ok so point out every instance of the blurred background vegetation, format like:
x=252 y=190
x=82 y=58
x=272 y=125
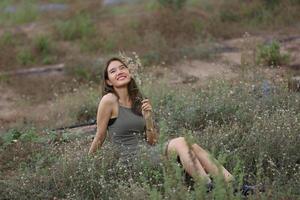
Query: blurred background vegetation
x=216 y=71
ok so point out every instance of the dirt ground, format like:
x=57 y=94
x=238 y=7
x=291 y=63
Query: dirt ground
x=226 y=65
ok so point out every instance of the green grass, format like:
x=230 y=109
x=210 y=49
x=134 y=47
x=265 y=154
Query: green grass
x=43 y=44
x=159 y=35
x=116 y=10
x=21 y=50
x=25 y=57
x=78 y=27
x=26 y=12
x=270 y=55
x=85 y=70
x=253 y=130
x=248 y=16
x=173 y=4
x=44 y=48
x=193 y=2
x=7 y=39
x=253 y=133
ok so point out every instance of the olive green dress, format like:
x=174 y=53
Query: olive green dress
x=127 y=134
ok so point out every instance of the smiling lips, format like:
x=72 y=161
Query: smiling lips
x=121 y=77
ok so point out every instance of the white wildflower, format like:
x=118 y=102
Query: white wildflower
x=134 y=65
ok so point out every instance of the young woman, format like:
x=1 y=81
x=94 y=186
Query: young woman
x=120 y=115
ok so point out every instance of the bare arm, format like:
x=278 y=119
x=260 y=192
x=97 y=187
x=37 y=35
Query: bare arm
x=103 y=115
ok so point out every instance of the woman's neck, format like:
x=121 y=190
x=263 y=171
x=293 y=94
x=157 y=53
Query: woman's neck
x=124 y=98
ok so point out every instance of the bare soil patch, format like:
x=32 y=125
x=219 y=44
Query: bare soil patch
x=40 y=90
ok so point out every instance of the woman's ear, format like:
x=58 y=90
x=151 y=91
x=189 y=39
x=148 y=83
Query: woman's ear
x=108 y=82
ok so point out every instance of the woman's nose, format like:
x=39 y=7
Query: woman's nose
x=119 y=71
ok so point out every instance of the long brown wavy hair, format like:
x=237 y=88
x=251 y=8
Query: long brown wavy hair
x=134 y=93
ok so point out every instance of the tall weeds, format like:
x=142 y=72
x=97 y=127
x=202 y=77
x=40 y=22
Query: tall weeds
x=255 y=135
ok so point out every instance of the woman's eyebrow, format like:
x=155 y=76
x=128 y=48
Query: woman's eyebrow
x=112 y=69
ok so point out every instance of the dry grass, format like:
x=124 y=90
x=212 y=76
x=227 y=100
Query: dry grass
x=157 y=33
x=224 y=118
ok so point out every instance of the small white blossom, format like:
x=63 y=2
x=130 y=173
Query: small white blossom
x=134 y=64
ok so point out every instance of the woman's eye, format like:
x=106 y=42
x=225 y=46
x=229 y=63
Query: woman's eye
x=122 y=67
x=113 y=71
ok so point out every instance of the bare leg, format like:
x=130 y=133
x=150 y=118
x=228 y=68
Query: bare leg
x=210 y=164
x=188 y=158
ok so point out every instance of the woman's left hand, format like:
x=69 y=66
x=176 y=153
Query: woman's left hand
x=146 y=106
x=151 y=133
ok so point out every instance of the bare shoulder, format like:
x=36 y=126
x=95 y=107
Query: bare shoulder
x=109 y=99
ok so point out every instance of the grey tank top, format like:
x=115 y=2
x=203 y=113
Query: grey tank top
x=127 y=132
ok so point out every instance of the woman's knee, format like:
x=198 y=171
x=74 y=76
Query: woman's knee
x=198 y=147
x=176 y=143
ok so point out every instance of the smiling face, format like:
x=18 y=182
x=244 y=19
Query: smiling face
x=118 y=74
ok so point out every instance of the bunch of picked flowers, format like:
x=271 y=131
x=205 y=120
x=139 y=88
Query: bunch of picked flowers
x=135 y=67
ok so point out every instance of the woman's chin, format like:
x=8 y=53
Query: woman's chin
x=123 y=83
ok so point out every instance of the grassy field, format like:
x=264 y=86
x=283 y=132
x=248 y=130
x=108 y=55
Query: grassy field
x=251 y=122
x=254 y=132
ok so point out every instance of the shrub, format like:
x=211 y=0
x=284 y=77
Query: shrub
x=110 y=44
x=270 y=55
x=85 y=70
x=13 y=43
x=18 y=149
x=229 y=12
x=6 y=39
x=166 y=37
x=78 y=27
x=25 y=12
x=47 y=59
x=25 y=57
x=173 y=4
x=43 y=44
x=175 y=30
x=91 y=45
x=83 y=109
x=11 y=136
x=87 y=113
x=253 y=133
x=14 y=135
x=271 y=4
x=242 y=16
